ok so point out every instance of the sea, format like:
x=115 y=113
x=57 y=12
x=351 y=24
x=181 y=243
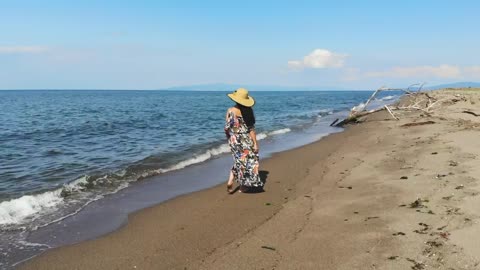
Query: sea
x=75 y=163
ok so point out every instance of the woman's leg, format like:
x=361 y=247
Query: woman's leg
x=230 y=182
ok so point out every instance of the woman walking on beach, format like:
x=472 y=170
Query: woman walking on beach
x=241 y=136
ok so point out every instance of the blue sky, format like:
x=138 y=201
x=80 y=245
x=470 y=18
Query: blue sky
x=159 y=44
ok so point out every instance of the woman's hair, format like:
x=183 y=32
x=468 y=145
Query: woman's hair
x=247 y=114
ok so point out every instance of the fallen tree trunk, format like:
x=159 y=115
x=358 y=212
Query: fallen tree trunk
x=354 y=118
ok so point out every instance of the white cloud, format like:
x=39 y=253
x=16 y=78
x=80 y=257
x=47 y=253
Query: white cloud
x=442 y=71
x=472 y=72
x=22 y=49
x=319 y=58
x=295 y=64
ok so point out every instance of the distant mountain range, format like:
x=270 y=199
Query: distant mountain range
x=454 y=85
x=231 y=87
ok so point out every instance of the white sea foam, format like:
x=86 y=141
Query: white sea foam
x=359 y=107
x=224 y=148
x=325 y=111
x=31 y=244
x=261 y=136
x=388 y=98
x=280 y=131
x=76 y=185
x=17 y=210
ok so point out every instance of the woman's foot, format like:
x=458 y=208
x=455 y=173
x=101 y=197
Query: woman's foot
x=230 y=189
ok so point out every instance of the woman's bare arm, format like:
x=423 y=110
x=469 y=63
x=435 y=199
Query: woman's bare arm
x=253 y=135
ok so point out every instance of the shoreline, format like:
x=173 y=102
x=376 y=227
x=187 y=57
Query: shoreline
x=335 y=204
x=110 y=213
x=218 y=189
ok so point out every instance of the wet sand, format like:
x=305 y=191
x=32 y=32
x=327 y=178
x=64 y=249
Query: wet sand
x=378 y=196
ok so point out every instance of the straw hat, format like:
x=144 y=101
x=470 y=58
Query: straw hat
x=241 y=97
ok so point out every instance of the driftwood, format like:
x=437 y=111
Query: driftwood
x=422 y=102
x=415 y=84
x=416 y=101
x=361 y=107
x=390 y=112
x=418 y=124
x=472 y=113
x=334 y=122
x=353 y=118
x=360 y=110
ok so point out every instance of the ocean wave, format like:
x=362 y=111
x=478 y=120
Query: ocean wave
x=31 y=244
x=280 y=131
x=309 y=114
x=198 y=159
x=224 y=148
x=359 y=107
x=375 y=103
x=261 y=136
x=29 y=207
x=388 y=98
x=15 y=211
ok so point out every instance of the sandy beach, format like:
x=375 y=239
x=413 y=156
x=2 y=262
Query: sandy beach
x=383 y=194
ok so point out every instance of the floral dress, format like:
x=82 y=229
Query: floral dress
x=245 y=166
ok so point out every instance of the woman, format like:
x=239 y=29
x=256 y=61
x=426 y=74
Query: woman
x=240 y=131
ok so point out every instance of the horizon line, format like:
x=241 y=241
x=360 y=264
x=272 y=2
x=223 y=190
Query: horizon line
x=178 y=90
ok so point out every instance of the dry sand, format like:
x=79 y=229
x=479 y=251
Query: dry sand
x=377 y=196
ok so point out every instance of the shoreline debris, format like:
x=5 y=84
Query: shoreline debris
x=270 y=248
x=472 y=113
x=360 y=110
x=416 y=101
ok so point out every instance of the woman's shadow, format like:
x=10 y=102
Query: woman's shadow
x=263 y=177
